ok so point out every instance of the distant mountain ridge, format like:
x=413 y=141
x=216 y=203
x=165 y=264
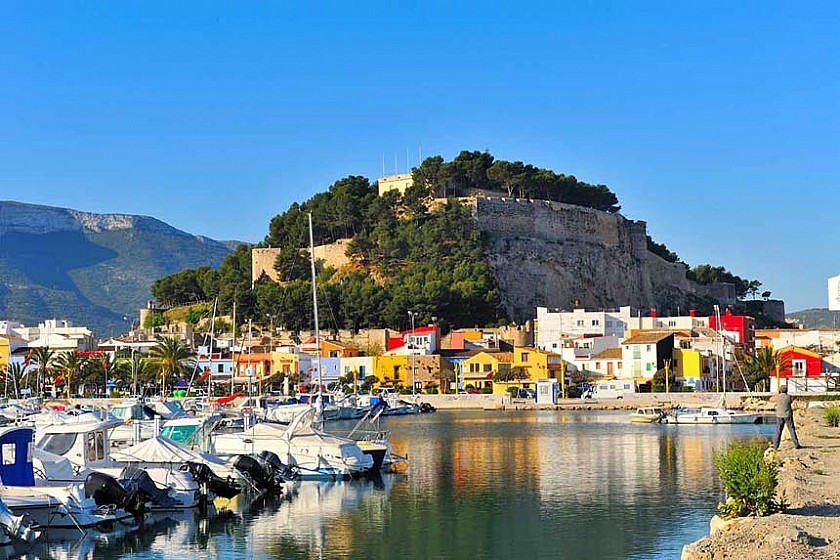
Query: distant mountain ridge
x=816 y=318
x=91 y=268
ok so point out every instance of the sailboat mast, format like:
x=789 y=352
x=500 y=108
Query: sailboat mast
x=315 y=311
x=210 y=349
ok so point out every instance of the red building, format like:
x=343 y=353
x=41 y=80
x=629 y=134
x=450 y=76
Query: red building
x=800 y=362
x=742 y=327
x=422 y=340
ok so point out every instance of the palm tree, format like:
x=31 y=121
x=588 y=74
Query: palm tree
x=104 y=368
x=44 y=356
x=764 y=363
x=71 y=365
x=14 y=373
x=172 y=357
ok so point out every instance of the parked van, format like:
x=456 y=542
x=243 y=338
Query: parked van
x=613 y=389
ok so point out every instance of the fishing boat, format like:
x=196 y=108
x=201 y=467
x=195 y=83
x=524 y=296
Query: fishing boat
x=648 y=415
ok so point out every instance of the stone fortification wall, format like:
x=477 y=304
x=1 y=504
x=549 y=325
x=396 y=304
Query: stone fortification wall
x=559 y=255
x=330 y=255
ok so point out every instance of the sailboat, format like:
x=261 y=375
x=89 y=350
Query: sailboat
x=718 y=414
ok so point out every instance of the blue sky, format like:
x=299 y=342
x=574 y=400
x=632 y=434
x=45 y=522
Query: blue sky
x=718 y=124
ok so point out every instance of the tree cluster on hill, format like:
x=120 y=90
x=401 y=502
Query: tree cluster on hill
x=470 y=171
x=708 y=274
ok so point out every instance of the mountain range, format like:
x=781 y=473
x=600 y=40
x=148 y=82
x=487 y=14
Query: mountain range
x=94 y=269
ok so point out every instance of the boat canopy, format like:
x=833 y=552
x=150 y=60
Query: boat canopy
x=16 y=456
x=161 y=449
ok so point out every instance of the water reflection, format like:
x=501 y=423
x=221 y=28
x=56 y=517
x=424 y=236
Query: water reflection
x=478 y=485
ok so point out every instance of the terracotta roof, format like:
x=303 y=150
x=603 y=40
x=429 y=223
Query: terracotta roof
x=608 y=354
x=647 y=338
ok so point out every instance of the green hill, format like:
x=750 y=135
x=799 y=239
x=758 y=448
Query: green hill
x=93 y=269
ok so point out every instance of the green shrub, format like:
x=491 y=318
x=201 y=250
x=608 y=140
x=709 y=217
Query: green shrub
x=486 y=391
x=513 y=392
x=831 y=415
x=750 y=481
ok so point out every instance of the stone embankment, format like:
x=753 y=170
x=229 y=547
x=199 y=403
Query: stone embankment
x=810 y=527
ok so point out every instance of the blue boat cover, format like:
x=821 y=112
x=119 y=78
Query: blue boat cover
x=16 y=457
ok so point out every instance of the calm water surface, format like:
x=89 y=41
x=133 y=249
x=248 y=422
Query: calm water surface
x=528 y=484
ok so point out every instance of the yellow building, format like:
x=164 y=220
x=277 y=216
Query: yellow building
x=392 y=371
x=5 y=352
x=399 y=182
x=285 y=362
x=530 y=365
x=480 y=370
x=688 y=366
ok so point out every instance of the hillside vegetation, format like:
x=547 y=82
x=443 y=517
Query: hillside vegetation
x=407 y=254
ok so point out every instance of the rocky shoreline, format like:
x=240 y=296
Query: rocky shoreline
x=810 y=526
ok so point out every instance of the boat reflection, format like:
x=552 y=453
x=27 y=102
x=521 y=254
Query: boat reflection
x=305 y=519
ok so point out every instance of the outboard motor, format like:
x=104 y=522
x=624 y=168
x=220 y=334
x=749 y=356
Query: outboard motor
x=224 y=488
x=137 y=480
x=262 y=475
x=106 y=491
x=426 y=407
x=288 y=472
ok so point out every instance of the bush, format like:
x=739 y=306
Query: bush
x=831 y=415
x=486 y=391
x=750 y=481
x=513 y=392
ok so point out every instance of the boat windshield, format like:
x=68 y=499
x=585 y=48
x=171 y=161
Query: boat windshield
x=180 y=434
x=59 y=444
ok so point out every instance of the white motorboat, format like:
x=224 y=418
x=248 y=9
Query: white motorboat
x=648 y=415
x=317 y=454
x=60 y=505
x=141 y=419
x=719 y=414
x=713 y=415
x=68 y=453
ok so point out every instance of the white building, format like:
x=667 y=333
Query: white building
x=554 y=325
x=834 y=293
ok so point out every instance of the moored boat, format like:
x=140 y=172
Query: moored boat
x=648 y=415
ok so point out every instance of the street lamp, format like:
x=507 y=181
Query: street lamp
x=412 y=315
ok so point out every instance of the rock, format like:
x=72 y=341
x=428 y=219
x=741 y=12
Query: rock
x=790 y=534
x=719 y=523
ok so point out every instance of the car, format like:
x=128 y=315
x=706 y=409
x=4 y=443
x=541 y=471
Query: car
x=526 y=394
x=471 y=391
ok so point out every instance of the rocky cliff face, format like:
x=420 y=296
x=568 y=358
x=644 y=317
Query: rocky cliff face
x=559 y=255
x=17 y=217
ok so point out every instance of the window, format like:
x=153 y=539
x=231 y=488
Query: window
x=609 y=324
x=8 y=452
x=333 y=354
x=396 y=372
x=672 y=323
x=798 y=368
x=580 y=322
x=488 y=367
x=362 y=372
x=649 y=366
x=648 y=348
x=595 y=322
x=59 y=444
x=221 y=368
x=554 y=345
x=619 y=365
x=524 y=356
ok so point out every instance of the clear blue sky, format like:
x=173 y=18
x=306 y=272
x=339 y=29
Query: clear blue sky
x=717 y=124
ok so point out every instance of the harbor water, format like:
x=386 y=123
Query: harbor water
x=479 y=484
